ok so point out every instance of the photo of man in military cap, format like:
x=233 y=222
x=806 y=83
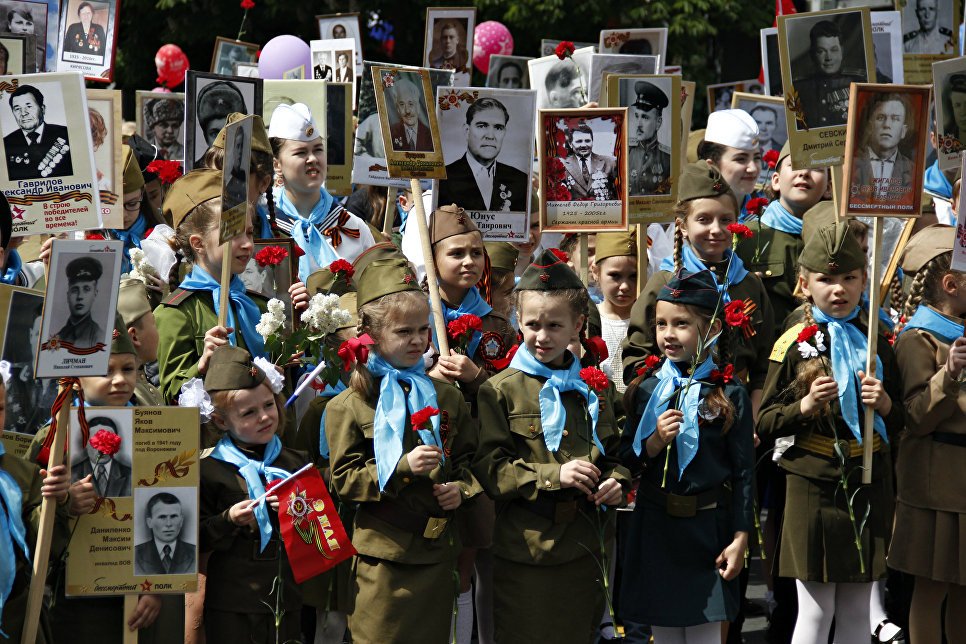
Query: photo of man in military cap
x=80 y=329
x=163 y=118
x=36 y=149
x=215 y=102
x=210 y=99
x=925 y=28
x=649 y=159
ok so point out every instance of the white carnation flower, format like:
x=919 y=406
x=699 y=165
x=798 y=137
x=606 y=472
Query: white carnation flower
x=323 y=315
x=5 y=371
x=807 y=350
x=193 y=394
x=820 y=341
x=275 y=379
x=141 y=268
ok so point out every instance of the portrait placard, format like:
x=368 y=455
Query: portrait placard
x=271 y=280
x=160 y=120
x=720 y=95
x=822 y=53
x=959 y=241
x=343 y=25
x=508 y=72
x=28 y=399
x=312 y=93
x=37 y=19
x=17 y=54
x=80 y=303
x=930 y=33
x=88 y=38
x=618 y=64
x=210 y=99
x=449 y=41
x=886 y=155
x=410 y=132
x=644 y=42
x=769 y=114
x=228 y=52
x=583 y=169
x=949 y=81
x=104 y=110
x=488 y=150
x=688 y=89
x=338 y=138
x=48 y=173
x=245 y=70
x=653 y=158
x=771 y=63
x=369 y=164
x=333 y=61
x=548 y=47
x=887 y=47
x=142 y=534
x=561 y=84
x=234 y=179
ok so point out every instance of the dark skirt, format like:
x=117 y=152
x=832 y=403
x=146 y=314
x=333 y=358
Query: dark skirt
x=675 y=582
x=930 y=544
x=476 y=522
x=251 y=628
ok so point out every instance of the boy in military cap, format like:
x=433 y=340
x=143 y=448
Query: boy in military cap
x=650 y=159
x=134 y=307
x=81 y=330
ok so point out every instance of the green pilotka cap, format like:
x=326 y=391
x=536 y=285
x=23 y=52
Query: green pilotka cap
x=231 y=368
x=350 y=302
x=377 y=252
x=822 y=215
x=449 y=221
x=549 y=273
x=384 y=277
x=190 y=191
x=120 y=340
x=503 y=255
x=832 y=250
x=260 y=141
x=702 y=181
x=619 y=244
x=133 y=179
x=925 y=245
x=133 y=302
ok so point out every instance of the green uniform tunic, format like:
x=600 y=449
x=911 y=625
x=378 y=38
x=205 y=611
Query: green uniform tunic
x=817 y=542
x=391 y=527
x=542 y=530
x=772 y=255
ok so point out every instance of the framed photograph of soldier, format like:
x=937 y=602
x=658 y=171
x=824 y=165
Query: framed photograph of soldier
x=245 y=70
x=949 y=81
x=583 y=168
x=369 y=164
x=210 y=98
x=720 y=94
x=228 y=52
x=653 y=131
x=333 y=61
x=143 y=532
x=822 y=53
x=885 y=156
x=410 y=132
x=887 y=47
x=548 y=47
x=769 y=113
x=29 y=18
x=48 y=173
x=273 y=281
x=159 y=117
x=87 y=38
x=770 y=62
x=338 y=138
x=80 y=302
x=17 y=54
x=618 y=64
x=488 y=149
x=930 y=33
x=235 y=177
x=508 y=72
x=343 y=25
x=449 y=41
x=104 y=111
x=559 y=85
x=641 y=42
x=28 y=399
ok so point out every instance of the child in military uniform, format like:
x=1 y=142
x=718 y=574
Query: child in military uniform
x=400 y=444
x=823 y=412
x=927 y=538
x=548 y=455
x=503 y=261
x=247 y=569
x=134 y=307
x=731 y=145
x=695 y=502
x=615 y=270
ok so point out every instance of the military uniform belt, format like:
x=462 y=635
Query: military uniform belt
x=825 y=446
x=949 y=438
x=684 y=506
x=556 y=511
x=405 y=519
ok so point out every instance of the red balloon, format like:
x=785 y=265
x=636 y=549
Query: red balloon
x=172 y=64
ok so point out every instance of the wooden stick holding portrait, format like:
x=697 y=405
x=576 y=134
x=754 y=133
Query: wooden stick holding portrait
x=234 y=200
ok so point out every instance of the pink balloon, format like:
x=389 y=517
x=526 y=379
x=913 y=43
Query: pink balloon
x=490 y=37
x=282 y=56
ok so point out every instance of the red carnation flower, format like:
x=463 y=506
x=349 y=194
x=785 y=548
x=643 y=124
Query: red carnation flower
x=597 y=348
x=595 y=378
x=650 y=364
x=247 y=4
x=808 y=333
x=770 y=159
x=565 y=49
x=740 y=229
x=723 y=376
x=354 y=350
x=735 y=313
x=559 y=254
x=342 y=268
x=462 y=328
x=94 y=236
x=270 y=256
x=756 y=206
x=168 y=171
x=106 y=442
x=421 y=418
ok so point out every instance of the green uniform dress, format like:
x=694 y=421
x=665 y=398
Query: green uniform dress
x=404 y=576
x=817 y=542
x=676 y=583
x=750 y=354
x=546 y=584
x=772 y=255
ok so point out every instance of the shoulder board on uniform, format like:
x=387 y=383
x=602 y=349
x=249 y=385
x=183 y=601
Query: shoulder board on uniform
x=946 y=32
x=909 y=36
x=205 y=453
x=787 y=339
x=666 y=149
x=177 y=297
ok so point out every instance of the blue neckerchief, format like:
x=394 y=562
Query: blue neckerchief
x=12 y=531
x=848 y=356
x=883 y=316
x=936 y=323
x=244 y=307
x=390 y=420
x=694 y=264
x=262 y=223
x=328 y=392
x=936 y=182
x=13 y=267
x=253 y=471
x=553 y=415
x=472 y=304
x=775 y=216
x=670 y=378
x=318 y=251
x=403 y=218
x=131 y=237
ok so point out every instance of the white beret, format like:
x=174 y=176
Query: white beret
x=734 y=128
x=293 y=122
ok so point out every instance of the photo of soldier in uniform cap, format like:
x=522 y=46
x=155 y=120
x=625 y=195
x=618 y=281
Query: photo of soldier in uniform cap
x=164 y=547
x=210 y=99
x=36 y=149
x=649 y=159
x=111 y=475
x=81 y=329
x=162 y=119
x=954 y=106
x=927 y=27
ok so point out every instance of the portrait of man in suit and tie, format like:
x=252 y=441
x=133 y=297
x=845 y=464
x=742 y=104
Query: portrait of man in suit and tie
x=111 y=477
x=590 y=175
x=322 y=70
x=165 y=552
x=36 y=149
x=881 y=171
x=408 y=124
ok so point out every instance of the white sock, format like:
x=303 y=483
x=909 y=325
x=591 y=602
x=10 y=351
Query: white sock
x=877 y=613
x=464 y=618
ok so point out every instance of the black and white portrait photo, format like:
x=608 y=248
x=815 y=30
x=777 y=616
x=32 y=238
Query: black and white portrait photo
x=28 y=398
x=38 y=148
x=449 y=42
x=650 y=158
x=601 y=64
x=558 y=84
x=643 y=42
x=343 y=25
x=161 y=122
x=322 y=65
x=211 y=98
x=887 y=46
x=949 y=80
x=236 y=169
x=110 y=473
x=928 y=27
x=271 y=281
x=332 y=61
x=165 y=533
x=25 y=17
x=771 y=63
x=769 y=114
x=228 y=52
x=508 y=72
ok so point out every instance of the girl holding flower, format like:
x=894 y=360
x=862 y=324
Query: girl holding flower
x=834 y=533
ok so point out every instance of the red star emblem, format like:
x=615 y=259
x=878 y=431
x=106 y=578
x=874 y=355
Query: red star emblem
x=675 y=292
x=461 y=220
x=115 y=335
x=18 y=213
x=254 y=371
x=544 y=277
x=408 y=279
x=146 y=586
